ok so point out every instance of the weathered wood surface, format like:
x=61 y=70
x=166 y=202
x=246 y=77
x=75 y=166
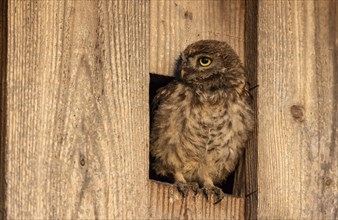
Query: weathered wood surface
x=3 y=101
x=167 y=203
x=175 y=24
x=297 y=113
x=250 y=46
x=77 y=110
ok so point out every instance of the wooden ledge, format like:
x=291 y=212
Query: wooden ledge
x=167 y=203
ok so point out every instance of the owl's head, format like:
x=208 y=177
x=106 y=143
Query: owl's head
x=210 y=65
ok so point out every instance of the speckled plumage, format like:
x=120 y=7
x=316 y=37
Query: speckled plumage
x=203 y=117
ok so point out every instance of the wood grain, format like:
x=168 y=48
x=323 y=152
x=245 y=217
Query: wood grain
x=251 y=158
x=77 y=106
x=167 y=203
x=74 y=106
x=175 y=24
x=297 y=99
x=3 y=101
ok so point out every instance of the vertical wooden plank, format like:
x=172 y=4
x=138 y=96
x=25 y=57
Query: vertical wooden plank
x=3 y=101
x=297 y=138
x=77 y=106
x=175 y=24
x=250 y=48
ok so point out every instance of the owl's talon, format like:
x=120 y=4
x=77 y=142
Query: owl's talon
x=194 y=187
x=219 y=198
x=206 y=192
x=182 y=188
x=218 y=192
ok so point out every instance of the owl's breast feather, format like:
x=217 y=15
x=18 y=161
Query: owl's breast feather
x=198 y=136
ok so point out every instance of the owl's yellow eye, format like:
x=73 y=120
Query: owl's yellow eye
x=205 y=61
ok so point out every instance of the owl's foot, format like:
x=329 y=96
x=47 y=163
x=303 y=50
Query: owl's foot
x=194 y=187
x=213 y=189
x=183 y=188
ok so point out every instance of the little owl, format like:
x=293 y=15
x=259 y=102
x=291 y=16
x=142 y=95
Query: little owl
x=202 y=118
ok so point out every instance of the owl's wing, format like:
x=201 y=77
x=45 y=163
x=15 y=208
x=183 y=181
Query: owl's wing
x=163 y=94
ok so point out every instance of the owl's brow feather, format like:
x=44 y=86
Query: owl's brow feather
x=202 y=52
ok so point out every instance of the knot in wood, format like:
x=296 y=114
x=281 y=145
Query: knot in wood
x=82 y=162
x=328 y=182
x=188 y=15
x=297 y=112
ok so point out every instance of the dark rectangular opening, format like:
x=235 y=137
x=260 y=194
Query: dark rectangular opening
x=156 y=82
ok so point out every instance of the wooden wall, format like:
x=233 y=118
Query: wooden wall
x=297 y=110
x=74 y=106
x=77 y=109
